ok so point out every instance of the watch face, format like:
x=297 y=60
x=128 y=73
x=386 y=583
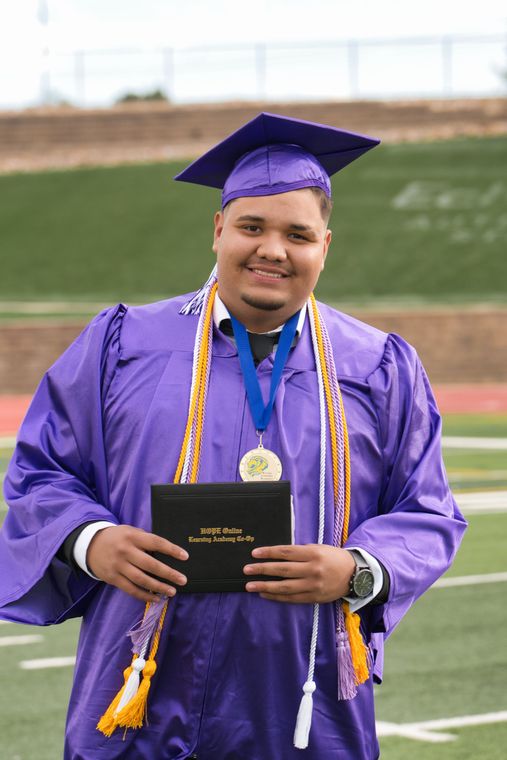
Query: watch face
x=363 y=583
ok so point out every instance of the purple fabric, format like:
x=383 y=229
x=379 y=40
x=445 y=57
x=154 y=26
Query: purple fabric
x=274 y=169
x=108 y=420
x=328 y=149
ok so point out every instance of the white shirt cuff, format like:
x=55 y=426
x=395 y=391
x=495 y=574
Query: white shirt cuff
x=83 y=542
x=355 y=604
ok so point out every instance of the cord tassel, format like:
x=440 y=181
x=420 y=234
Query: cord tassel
x=133 y=713
x=346 y=676
x=304 y=718
x=132 y=684
x=358 y=648
x=108 y=722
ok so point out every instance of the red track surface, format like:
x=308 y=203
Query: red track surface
x=452 y=399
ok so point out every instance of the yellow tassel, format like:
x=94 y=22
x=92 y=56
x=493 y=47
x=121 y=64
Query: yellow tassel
x=358 y=648
x=108 y=722
x=133 y=713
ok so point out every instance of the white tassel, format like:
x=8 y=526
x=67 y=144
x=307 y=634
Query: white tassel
x=304 y=719
x=132 y=685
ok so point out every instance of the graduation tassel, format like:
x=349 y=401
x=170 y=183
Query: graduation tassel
x=128 y=708
x=131 y=712
x=358 y=649
x=346 y=675
x=304 y=718
x=108 y=722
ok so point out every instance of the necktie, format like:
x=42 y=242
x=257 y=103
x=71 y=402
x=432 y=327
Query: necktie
x=261 y=344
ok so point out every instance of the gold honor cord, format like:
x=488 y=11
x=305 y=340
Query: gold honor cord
x=358 y=648
x=133 y=713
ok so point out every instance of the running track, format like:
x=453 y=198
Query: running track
x=452 y=399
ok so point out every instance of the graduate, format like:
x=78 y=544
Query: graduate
x=248 y=375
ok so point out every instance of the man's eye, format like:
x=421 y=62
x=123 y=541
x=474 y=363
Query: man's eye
x=251 y=228
x=297 y=236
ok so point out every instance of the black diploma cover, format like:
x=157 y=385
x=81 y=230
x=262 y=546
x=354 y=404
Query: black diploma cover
x=219 y=524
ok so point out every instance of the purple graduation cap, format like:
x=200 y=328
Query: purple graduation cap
x=275 y=154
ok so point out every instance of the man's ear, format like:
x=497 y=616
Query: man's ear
x=327 y=243
x=218 y=221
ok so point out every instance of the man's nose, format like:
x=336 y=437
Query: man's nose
x=272 y=248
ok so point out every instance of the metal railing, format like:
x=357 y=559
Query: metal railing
x=419 y=67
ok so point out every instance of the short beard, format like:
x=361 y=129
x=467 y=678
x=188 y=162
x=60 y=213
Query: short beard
x=264 y=305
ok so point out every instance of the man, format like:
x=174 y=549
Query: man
x=139 y=399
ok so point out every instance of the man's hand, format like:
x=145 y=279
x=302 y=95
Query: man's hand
x=118 y=555
x=311 y=573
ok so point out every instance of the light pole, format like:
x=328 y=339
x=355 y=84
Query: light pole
x=45 y=78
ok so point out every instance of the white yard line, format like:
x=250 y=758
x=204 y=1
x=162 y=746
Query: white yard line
x=423 y=731
x=47 y=662
x=7 y=441
x=462 y=442
x=411 y=731
x=51 y=307
x=482 y=501
x=16 y=641
x=470 y=580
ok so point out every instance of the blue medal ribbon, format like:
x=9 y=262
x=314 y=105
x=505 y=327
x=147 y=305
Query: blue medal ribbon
x=261 y=413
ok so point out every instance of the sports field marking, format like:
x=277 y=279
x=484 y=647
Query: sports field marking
x=477 y=502
x=7 y=442
x=16 y=641
x=474 y=474
x=47 y=662
x=423 y=731
x=470 y=580
x=51 y=307
x=462 y=442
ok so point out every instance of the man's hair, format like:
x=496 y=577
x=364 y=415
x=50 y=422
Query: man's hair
x=326 y=204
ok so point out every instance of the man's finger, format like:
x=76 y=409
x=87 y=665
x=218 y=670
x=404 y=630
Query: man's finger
x=285 y=588
x=148 y=583
x=124 y=584
x=153 y=543
x=281 y=569
x=152 y=566
x=295 y=552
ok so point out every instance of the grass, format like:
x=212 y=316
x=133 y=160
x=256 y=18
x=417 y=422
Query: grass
x=487 y=425
x=413 y=219
x=487 y=742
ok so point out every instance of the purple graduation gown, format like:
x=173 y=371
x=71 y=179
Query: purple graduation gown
x=107 y=421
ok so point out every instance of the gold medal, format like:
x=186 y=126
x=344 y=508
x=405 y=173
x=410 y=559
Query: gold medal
x=260 y=464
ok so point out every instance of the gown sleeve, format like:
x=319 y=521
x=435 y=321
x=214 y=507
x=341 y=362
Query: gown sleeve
x=418 y=527
x=57 y=480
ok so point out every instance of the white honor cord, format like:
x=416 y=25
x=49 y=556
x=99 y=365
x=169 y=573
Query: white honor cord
x=304 y=718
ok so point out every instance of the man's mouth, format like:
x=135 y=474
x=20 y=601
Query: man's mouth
x=273 y=275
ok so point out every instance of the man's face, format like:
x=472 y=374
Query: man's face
x=270 y=252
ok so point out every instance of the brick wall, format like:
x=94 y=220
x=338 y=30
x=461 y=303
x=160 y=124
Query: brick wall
x=456 y=346
x=59 y=137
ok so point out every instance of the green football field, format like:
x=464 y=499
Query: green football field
x=412 y=222
x=446 y=662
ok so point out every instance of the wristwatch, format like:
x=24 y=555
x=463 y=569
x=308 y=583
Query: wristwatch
x=362 y=581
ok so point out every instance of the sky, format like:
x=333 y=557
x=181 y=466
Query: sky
x=181 y=24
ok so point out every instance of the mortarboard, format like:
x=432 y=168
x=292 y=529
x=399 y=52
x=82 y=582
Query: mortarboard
x=275 y=154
